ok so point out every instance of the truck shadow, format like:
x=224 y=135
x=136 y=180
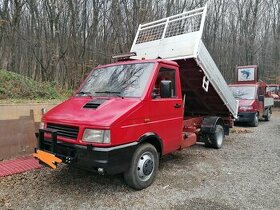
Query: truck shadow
x=247 y=125
x=88 y=181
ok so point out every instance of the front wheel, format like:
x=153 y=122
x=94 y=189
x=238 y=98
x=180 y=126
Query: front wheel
x=255 y=122
x=143 y=167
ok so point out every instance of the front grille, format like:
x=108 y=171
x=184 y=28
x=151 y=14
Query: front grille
x=66 y=131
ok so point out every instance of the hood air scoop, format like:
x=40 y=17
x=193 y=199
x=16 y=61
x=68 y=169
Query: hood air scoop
x=94 y=104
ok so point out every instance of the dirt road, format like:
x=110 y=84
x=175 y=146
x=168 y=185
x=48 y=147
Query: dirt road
x=244 y=174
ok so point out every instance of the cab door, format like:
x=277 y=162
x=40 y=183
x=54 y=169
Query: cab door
x=260 y=104
x=166 y=114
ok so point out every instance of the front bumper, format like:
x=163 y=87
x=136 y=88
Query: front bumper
x=245 y=117
x=112 y=160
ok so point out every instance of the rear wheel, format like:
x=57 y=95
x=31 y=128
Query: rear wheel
x=216 y=139
x=268 y=115
x=255 y=122
x=143 y=167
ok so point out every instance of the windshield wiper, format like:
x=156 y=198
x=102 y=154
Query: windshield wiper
x=118 y=93
x=84 y=93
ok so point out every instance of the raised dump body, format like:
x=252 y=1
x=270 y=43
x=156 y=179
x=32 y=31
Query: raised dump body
x=178 y=38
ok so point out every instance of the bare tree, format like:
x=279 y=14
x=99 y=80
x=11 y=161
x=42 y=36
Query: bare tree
x=60 y=41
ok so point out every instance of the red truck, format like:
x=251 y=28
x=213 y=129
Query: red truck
x=274 y=91
x=128 y=114
x=254 y=101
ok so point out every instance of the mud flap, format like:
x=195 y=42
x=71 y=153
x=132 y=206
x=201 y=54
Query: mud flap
x=209 y=124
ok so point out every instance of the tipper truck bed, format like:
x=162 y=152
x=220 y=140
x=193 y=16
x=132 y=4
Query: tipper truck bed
x=128 y=114
x=178 y=38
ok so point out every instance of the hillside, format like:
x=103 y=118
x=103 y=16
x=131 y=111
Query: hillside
x=17 y=87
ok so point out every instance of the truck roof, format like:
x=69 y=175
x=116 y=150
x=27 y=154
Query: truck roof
x=248 y=84
x=273 y=85
x=243 y=85
x=132 y=61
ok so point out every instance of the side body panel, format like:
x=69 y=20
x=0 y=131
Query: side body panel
x=268 y=102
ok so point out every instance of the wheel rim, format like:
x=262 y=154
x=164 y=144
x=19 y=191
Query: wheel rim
x=256 y=119
x=220 y=137
x=145 y=166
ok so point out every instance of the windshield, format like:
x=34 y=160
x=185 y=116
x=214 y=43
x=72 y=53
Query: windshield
x=245 y=92
x=272 y=89
x=127 y=80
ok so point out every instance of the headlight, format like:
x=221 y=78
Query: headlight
x=97 y=136
x=245 y=108
x=42 y=125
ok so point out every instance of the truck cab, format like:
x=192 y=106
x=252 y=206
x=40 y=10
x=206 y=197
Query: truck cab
x=273 y=90
x=115 y=106
x=252 y=105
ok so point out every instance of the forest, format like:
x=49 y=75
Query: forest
x=62 y=40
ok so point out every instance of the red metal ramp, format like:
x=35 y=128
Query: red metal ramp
x=19 y=165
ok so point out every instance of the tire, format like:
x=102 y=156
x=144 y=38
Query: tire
x=143 y=167
x=255 y=122
x=268 y=116
x=216 y=139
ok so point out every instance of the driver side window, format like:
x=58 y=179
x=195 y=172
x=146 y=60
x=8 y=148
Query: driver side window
x=165 y=74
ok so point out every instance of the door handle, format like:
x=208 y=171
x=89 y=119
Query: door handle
x=177 y=106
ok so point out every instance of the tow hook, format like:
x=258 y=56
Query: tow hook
x=100 y=171
x=68 y=160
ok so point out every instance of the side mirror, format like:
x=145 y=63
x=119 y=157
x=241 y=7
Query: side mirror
x=261 y=97
x=165 y=89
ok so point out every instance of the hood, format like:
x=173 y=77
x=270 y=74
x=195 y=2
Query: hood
x=100 y=112
x=243 y=102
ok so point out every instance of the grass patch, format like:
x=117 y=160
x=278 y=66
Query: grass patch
x=15 y=87
x=240 y=130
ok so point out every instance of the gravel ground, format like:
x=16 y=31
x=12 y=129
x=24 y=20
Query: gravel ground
x=244 y=174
